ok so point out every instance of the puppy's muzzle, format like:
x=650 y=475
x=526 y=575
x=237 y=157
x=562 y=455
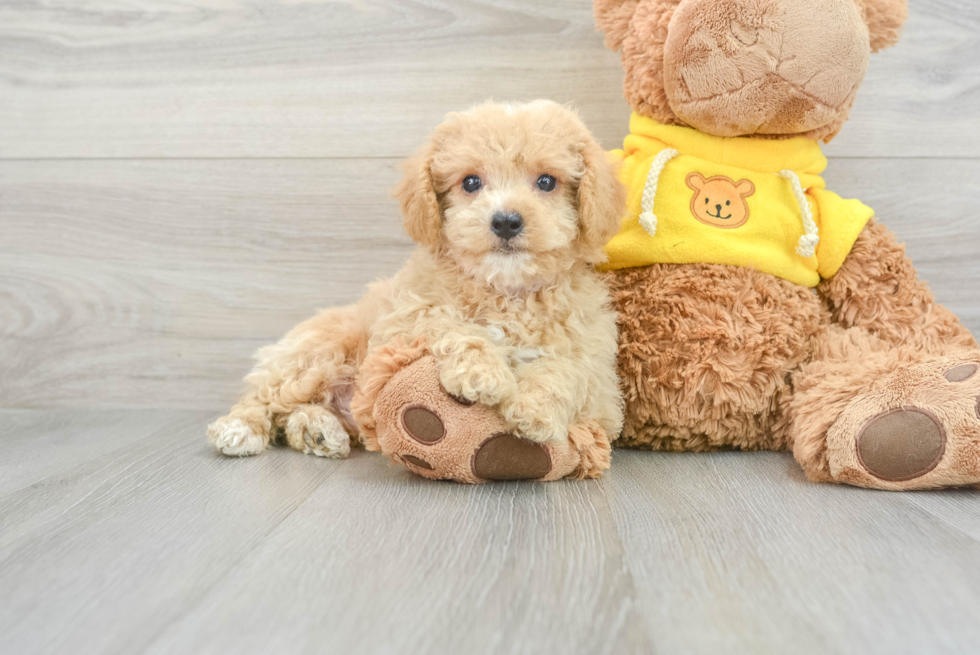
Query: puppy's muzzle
x=507 y=225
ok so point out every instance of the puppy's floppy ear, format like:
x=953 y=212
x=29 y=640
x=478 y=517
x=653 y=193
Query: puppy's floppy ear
x=601 y=201
x=885 y=19
x=417 y=196
x=613 y=18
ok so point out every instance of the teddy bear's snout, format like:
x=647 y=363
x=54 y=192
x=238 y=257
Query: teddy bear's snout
x=744 y=34
x=738 y=67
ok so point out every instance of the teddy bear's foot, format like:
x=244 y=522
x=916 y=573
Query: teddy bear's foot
x=918 y=429
x=418 y=424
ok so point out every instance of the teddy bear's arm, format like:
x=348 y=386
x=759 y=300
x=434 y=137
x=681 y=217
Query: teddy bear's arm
x=877 y=288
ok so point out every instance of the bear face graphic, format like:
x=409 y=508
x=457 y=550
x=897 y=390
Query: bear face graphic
x=720 y=201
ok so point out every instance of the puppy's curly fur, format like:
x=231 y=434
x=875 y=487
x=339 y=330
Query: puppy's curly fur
x=523 y=324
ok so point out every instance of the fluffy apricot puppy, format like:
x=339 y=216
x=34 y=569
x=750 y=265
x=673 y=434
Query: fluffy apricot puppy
x=510 y=206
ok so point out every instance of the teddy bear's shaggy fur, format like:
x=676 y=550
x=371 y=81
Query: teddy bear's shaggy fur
x=522 y=325
x=867 y=380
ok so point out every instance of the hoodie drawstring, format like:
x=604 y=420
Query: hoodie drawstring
x=808 y=242
x=648 y=220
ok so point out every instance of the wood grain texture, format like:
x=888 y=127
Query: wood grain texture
x=228 y=78
x=363 y=78
x=149 y=542
x=150 y=283
x=158 y=279
x=43 y=444
x=773 y=563
x=101 y=556
x=161 y=545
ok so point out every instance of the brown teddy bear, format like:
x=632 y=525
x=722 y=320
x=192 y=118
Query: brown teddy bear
x=758 y=310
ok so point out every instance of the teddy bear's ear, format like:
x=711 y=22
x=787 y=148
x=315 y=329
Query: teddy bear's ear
x=745 y=188
x=417 y=196
x=613 y=18
x=695 y=181
x=885 y=19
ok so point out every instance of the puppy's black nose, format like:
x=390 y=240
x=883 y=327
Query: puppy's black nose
x=507 y=225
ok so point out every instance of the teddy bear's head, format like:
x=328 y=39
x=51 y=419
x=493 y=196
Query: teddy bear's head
x=774 y=68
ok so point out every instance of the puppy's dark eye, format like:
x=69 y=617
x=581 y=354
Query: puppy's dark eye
x=728 y=202
x=547 y=183
x=472 y=184
x=707 y=200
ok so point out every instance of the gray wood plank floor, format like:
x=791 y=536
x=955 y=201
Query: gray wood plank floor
x=181 y=182
x=132 y=536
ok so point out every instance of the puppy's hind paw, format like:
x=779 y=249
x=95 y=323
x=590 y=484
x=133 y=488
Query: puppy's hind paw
x=315 y=431
x=234 y=438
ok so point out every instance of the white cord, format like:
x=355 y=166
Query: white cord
x=808 y=242
x=647 y=218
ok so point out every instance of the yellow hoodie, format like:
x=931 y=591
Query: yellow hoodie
x=696 y=198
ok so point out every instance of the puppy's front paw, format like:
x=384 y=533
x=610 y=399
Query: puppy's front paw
x=537 y=415
x=477 y=376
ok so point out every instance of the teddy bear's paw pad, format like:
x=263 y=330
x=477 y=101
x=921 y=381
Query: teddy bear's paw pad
x=902 y=444
x=915 y=429
x=962 y=373
x=507 y=457
x=423 y=425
